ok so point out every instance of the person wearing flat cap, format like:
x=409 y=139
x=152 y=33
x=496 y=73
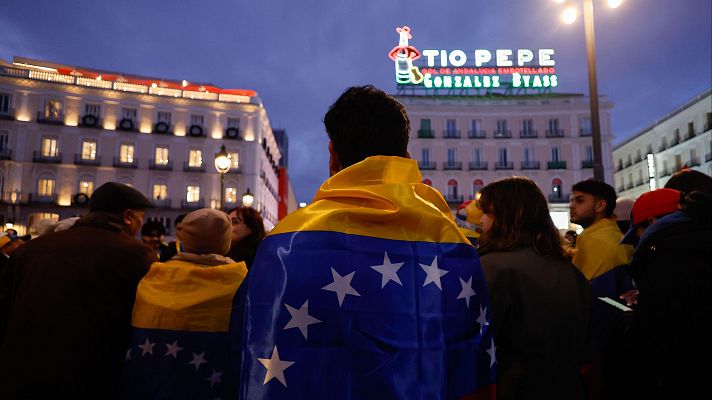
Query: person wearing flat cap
x=183 y=309
x=70 y=301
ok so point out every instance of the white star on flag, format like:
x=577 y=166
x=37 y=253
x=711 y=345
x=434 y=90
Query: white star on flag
x=492 y=353
x=482 y=319
x=173 y=349
x=214 y=378
x=341 y=286
x=300 y=318
x=198 y=359
x=275 y=367
x=467 y=291
x=146 y=347
x=388 y=271
x=433 y=273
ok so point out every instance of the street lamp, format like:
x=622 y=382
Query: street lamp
x=569 y=16
x=222 y=165
x=248 y=199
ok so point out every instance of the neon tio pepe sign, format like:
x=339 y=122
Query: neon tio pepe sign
x=523 y=68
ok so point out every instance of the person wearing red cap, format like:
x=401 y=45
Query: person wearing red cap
x=647 y=209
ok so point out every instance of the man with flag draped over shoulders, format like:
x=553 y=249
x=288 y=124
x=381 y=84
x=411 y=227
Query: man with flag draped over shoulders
x=370 y=292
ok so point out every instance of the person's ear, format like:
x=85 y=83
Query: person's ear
x=126 y=217
x=334 y=160
x=600 y=206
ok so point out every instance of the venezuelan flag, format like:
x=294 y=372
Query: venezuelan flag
x=179 y=345
x=370 y=292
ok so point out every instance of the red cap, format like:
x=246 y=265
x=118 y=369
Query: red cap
x=654 y=204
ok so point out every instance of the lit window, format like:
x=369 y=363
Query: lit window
x=160 y=191
x=50 y=147
x=86 y=187
x=126 y=153
x=195 y=158
x=231 y=195
x=235 y=160
x=161 y=155
x=45 y=186
x=53 y=109
x=193 y=194
x=88 y=150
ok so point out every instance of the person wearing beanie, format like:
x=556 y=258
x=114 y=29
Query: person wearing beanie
x=69 y=297
x=179 y=344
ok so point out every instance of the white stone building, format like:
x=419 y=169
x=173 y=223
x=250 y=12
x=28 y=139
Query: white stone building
x=465 y=142
x=683 y=137
x=66 y=130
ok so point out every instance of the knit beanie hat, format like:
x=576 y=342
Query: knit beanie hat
x=206 y=231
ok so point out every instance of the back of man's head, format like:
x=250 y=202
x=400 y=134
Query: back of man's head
x=690 y=180
x=114 y=198
x=599 y=190
x=153 y=228
x=365 y=121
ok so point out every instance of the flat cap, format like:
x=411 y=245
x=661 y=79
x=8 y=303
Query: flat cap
x=114 y=196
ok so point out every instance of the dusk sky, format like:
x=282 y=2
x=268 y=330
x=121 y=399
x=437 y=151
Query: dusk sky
x=299 y=55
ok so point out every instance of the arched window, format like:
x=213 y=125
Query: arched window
x=452 y=192
x=556 y=193
x=477 y=185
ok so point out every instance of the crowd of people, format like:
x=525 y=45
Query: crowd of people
x=370 y=292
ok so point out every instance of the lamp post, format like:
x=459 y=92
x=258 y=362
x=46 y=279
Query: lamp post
x=222 y=165
x=569 y=16
x=248 y=199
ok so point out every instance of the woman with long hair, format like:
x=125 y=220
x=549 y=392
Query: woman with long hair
x=247 y=233
x=540 y=300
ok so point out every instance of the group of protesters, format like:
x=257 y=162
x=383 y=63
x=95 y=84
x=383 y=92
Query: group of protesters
x=370 y=292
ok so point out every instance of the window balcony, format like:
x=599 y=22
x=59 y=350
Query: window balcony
x=556 y=133
x=531 y=165
x=708 y=126
x=48 y=119
x=162 y=128
x=639 y=182
x=161 y=166
x=694 y=162
x=585 y=164
x=708 y=157
x=452 y=165
x=503 y=165
x=638 y=159
x=450 y=198
x=621 y=188
x=476 y=134
x=675 y=141
x=91 y=121
x=41 y=198
x=6 y=154
x=556 y=165
x=38 y=157
x=193 y=168
x=662 y=147
x=530 y=134
x=78 y=160
x=630 y=186
x=628 y=163
x=451 y=134
x=426 y=165
x=426 y=133
x=689 y=135
x=127 y=125
x=196 y=131
x=503 y=134
x=193 y=205
x=118 y=163
x=232 y=133
x=585 y=132
x=478 y=165
x=558 y=197
x=162 y=203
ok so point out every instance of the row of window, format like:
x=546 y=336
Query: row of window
x=662 y=170
x=450 y=130
x=502 y=152
x=46 y=186
x=53 y=110
x=664 y=145
x=89 y=148
x=453 y=193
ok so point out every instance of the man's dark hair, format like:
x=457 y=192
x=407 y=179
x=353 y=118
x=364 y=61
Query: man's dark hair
x=599 y=190
x=365 y=121
x=690 y=180
x=153 y=228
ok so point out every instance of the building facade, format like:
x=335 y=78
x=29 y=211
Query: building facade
x=681 y=138
x=66 y=130
x=465 y=142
